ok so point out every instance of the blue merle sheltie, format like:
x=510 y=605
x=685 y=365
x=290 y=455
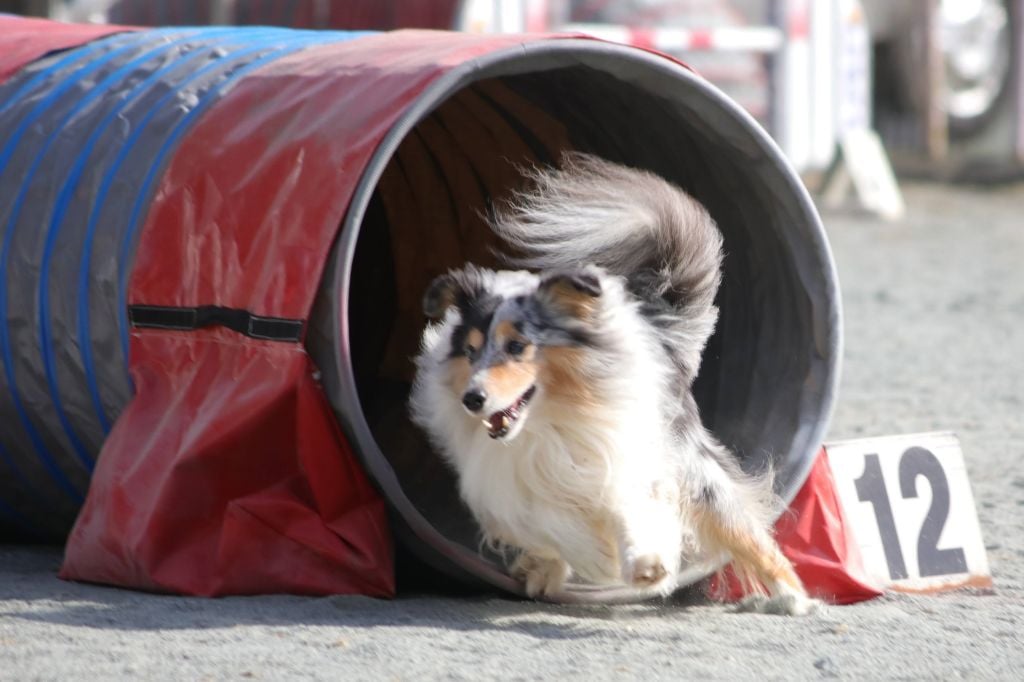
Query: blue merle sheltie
x=561 y=395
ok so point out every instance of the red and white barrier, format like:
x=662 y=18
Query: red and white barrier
x=760 y=39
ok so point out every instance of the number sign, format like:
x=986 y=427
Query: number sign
x=909 y=504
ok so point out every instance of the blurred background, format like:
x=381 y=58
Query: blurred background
x=939 y=80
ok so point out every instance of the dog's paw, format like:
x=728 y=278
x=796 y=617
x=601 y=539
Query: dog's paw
x=646 y=570
x=541 y=577
x=782 y=605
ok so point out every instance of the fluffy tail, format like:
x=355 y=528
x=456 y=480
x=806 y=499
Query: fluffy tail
x=633 y=224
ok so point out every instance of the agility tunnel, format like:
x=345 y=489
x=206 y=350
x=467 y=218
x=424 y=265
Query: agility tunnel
x=215 y=242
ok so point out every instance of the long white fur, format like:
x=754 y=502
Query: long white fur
x=606 y=491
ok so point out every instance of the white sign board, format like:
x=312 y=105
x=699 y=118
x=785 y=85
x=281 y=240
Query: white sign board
x=862 y=165
x=909 y=505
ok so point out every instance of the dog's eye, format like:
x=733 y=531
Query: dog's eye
x=514 y=347
x=469 y=350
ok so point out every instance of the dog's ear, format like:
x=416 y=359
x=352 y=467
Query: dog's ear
x=572 y=291
x=440 y=296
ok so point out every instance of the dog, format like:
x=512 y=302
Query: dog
x=561 y=395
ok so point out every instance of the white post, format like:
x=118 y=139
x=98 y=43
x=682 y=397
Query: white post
x=794 y=134
x=824 y=93
x=860 y=161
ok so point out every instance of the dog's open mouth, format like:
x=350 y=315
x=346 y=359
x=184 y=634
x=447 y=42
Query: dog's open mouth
x=500 y=423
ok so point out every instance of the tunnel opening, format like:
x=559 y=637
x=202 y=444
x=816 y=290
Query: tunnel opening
x=767 y=377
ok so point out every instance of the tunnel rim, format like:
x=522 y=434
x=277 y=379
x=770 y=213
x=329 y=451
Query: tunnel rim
x=518 y=60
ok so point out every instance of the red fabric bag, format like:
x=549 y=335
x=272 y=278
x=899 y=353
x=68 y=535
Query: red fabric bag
x=265 y=497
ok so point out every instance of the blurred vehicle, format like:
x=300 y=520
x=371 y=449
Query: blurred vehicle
x=948 y=95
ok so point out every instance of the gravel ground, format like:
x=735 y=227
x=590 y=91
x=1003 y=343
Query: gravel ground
x=934 y=311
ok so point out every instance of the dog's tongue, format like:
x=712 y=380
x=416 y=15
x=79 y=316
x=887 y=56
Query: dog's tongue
x=497 y=421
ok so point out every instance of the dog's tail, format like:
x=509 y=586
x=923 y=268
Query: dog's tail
x=633 y=224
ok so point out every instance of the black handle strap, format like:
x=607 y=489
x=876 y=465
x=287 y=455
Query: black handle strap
x=241 y=321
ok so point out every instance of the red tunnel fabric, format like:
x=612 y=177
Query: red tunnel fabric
x=227 y=472
x=814 y=535
x=26 y=40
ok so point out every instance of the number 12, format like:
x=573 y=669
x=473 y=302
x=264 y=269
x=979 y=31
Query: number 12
x=914 y=462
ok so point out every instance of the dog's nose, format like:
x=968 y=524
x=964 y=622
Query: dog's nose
x=473 y=399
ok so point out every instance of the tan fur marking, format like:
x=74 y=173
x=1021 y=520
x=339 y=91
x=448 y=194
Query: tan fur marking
x=475 y=338
x=565 y=377
x=577 y=303
x=509 y=380
x=447 y=299
x=504 y=331
x=758 y=558
x=459 y=372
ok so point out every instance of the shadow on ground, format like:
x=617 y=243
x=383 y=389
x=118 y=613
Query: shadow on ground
x=31 y=577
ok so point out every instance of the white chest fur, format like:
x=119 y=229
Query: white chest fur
x=551 y=490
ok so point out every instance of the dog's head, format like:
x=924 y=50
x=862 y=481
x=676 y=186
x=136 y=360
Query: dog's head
x=513 y=340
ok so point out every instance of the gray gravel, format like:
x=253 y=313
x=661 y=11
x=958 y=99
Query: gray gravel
x=934 y=340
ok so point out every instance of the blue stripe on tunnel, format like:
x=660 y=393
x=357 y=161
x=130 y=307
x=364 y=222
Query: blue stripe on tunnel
x=104 y=88
x=63 y=202
x=44 y=92
x=309 y=39
x=44 y=454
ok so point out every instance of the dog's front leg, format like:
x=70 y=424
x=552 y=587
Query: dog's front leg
x=541 y=575
x=650 y=537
